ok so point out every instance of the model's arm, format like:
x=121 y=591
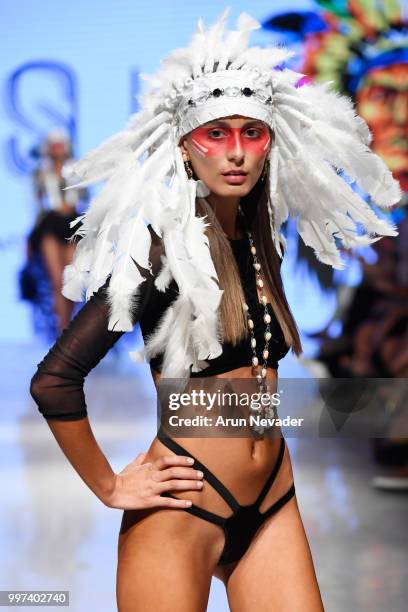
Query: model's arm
x=57 y=388
x=80 y=447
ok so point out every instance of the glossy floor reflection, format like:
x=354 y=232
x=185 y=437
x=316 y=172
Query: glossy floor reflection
x=55 y=534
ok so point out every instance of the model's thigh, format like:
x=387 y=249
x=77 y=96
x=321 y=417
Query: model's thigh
x=68 y=251
x=277 y=572
x=51 y=251
x=165 y=561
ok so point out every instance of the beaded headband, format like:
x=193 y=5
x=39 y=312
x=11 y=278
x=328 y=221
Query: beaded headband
x=244 y=92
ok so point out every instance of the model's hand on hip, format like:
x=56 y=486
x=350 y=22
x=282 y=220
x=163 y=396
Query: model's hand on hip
x=140 y=485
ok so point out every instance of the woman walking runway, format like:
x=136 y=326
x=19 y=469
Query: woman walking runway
x=185 y=239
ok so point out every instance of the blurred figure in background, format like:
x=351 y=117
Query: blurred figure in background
x=361 y=46
x=48 y=240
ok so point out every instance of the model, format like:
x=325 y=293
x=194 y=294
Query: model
x=56 y=209
x=184 y=238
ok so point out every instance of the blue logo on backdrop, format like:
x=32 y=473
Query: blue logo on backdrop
x=40 y=96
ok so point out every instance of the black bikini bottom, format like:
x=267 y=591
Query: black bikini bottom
x=240 y=527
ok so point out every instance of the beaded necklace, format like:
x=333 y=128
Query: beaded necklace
x=259 y=371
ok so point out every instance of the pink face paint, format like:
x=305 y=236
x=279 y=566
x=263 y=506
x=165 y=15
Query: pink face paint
x=267 y=143
x=198 y=147
x=209 y=141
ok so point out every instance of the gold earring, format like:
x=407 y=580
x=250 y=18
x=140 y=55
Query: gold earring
x=188 y=168
x=265 y=171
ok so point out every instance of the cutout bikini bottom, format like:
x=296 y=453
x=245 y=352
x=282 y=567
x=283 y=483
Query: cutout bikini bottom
x=241 y=526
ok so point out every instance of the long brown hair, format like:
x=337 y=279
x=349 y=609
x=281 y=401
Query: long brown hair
x=232 y=317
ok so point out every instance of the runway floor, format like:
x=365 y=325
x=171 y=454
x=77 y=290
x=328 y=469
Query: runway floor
x=55 y=534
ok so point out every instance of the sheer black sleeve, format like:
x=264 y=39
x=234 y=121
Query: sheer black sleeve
x=57 y=385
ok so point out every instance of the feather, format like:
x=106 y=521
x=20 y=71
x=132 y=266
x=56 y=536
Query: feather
x=189 y=261
x=133 y=248
x=263 y=59
x=163 y=279
x=275 y=221
x=101 y=263
x=157 y=340
x=344 y=151
x=75 y=275
x=102 y=161
x=160 y=131
x=322 y=243
x=104 y=202
x=314 y=213
x=198 y=48
x=73 y=283
x=177 y=358
x=236 y=41
x=332 y=107
x=172 y=332
x=214 y=42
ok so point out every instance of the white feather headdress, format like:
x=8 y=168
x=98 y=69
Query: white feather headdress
x=317 y=134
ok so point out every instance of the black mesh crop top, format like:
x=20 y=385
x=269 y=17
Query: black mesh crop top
x=57 y=385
